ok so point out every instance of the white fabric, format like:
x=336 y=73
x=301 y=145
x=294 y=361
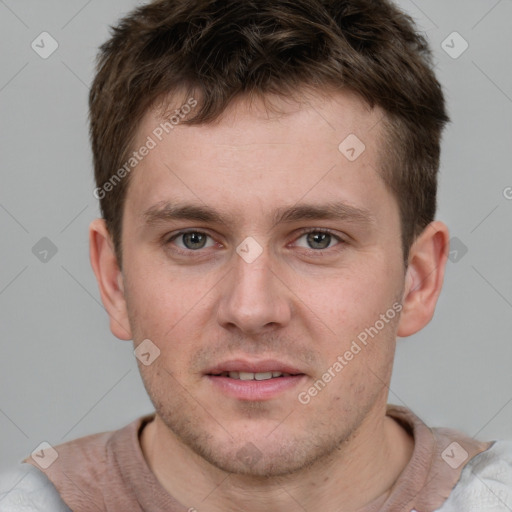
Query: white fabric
x=27 y=489
x=485 y=484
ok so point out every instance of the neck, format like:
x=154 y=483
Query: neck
x=360 y=472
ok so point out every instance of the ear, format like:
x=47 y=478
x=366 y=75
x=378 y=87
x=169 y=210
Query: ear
x=109 y=277
x=424 y=278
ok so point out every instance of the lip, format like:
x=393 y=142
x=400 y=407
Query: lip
x=254 y=390
x=241 y=365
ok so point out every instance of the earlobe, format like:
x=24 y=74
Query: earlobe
x=109 y=278
x=424 y=278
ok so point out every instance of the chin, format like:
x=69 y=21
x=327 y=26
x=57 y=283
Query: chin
x=252 y=461
x=259 y=452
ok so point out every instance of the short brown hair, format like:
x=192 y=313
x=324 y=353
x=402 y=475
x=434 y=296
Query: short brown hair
x=222 y=49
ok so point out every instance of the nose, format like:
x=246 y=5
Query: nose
x=253 y=297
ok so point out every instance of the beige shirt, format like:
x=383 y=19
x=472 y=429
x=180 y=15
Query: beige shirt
x=108 y=472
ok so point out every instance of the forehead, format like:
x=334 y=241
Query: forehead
x=316 y=119
x=275 y=149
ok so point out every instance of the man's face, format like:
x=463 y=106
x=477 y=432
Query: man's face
x=295 y=308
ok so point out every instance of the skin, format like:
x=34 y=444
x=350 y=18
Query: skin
x=295 y=303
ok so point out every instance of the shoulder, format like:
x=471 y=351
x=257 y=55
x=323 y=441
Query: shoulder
x=27 y=489
x=485 y=482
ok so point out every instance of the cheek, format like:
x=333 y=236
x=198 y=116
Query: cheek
x=171 y=313
x=160 y=297
x=349 y=298
x=349 y=307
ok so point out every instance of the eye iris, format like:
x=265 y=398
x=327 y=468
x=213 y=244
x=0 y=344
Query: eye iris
x=323 y=239
x=194 y=240
x=316 y=240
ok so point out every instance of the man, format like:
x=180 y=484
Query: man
x=267 y=178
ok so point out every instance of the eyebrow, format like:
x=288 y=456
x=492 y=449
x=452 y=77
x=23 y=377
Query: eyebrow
x=165 y=211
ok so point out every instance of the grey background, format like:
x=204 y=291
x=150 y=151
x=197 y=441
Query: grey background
x=64 y=375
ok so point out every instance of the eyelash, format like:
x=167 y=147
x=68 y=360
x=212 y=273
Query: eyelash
x=305 y=231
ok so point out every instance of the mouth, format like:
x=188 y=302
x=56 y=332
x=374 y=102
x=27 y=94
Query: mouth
x=253 y=376
x=254 y=381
